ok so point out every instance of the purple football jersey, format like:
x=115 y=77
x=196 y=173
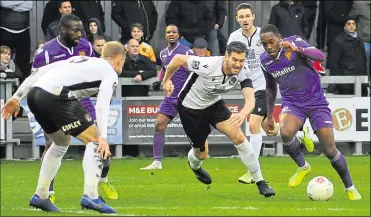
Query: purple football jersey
x=54 y=51
x=181 y=75
x=298 y=81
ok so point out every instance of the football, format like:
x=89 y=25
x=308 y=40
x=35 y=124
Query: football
x=320 y=188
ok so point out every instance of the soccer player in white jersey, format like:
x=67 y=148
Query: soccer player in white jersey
x=249 y=34
x=201 y=105
x=53 y=92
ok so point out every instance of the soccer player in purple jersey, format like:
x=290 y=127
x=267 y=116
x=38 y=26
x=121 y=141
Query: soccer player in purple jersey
x=70 y=43
x=168 y=108
x=288 y=62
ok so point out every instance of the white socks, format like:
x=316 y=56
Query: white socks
x=50 y=165
x=194 y=162
x=92 y=165
x=250 y=160
x=256 y=141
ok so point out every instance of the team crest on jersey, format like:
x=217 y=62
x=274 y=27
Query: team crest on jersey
x=288 y=55
x=87 y=117
x=259 y=43
x=82 y=53
x=195 y=64
x=114 y=86
x=233 y=80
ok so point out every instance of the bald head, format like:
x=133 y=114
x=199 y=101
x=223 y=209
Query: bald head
x=133 y=47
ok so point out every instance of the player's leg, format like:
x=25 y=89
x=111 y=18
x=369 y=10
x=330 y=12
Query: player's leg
x=48 y=143
x=291 y=121
x=42 y=105
x=167 y=111
x=105 y=186
x=321 y=121
x=302 y=135
x=197 y=129
x=256 y=140
x=218 y=116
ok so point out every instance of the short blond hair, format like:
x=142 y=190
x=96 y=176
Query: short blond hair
x=112 y=49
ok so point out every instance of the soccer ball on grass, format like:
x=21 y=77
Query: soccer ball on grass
x=320 y=188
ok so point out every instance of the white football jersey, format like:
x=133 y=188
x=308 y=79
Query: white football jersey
x=77 y=77
x=207 y=82
x=255 y=49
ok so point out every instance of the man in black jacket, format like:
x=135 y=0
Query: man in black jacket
x=218 y=11
x=310 y=14
x=138 y=67
x=125 y=13
x=348 y=56
x=53 y=29
x=193 y=18
x=331 y=17
x=290 y=18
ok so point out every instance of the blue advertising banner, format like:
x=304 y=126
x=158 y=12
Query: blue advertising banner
x=114 y=124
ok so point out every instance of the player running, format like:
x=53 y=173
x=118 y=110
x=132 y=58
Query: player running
x=67 y=44
x=250 y=35
x=53 y=94
x=288 y=62
x=169 y=106
x=201 y=105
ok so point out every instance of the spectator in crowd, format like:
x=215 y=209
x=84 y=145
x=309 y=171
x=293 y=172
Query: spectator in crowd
x=361 y=11
x=88 y=9
x=15 y=31
x=310 y=13
x=126 y=13
x=144 y=48
x=331 y=17
x=290 y=18
x=7 y=65
x=200 y=47
x=95 y=29
x=98 y=43
x=138 y=67
x=193 y=19
x=85 y=10
x=348 y=57
x=53 y=29
x=218 y=11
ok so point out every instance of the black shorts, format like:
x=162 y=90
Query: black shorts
x=196 y=123
x=55 y=113
x=260 y=104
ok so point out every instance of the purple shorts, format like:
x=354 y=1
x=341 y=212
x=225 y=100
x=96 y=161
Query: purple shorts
x=319 y=115
x=89 y=107
x=169 y=107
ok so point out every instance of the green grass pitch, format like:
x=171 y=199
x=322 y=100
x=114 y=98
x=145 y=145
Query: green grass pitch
x=175 y=190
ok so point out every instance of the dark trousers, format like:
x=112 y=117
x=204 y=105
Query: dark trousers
x=20 y=44
x=311 y=17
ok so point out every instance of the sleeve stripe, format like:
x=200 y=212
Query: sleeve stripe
x=46 y=57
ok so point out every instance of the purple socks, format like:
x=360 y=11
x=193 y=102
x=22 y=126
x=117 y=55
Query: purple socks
x=158 y=145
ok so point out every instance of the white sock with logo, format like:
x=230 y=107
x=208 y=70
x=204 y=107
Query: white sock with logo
x=92 y=165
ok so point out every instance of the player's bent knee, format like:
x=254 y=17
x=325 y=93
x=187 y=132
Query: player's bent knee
x=254 y=128
x=239 y=138
x=286 y=135
x=88 y=135
x=160 y=126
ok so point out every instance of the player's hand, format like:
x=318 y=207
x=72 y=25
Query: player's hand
x=269 y=126
x=237 y=119
x=11 y=107
x=168 y=87
x=103 y=148
x=138 y=78
x=289 y=46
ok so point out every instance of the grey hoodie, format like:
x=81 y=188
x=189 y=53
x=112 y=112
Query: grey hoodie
x=361 y=11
